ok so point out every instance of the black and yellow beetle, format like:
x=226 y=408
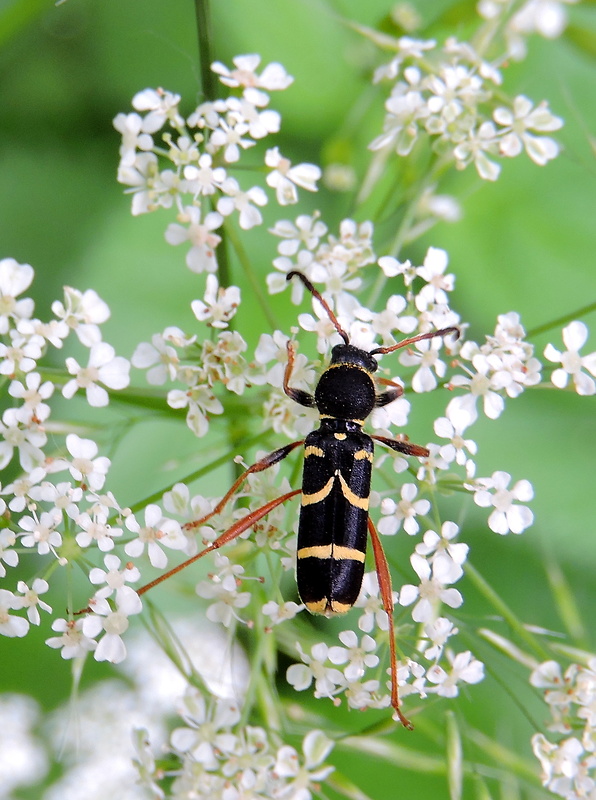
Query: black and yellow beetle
x=338 y=457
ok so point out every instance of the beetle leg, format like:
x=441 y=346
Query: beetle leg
x=407 y=448
x=232 y=533
x=384 y=398
x=266 y=462
x=387 y=597
x=298 y=395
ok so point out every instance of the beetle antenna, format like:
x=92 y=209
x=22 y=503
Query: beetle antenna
x=324 y=303
x=412 y=339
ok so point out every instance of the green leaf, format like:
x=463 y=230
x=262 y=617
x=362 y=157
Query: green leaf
x=582 y=38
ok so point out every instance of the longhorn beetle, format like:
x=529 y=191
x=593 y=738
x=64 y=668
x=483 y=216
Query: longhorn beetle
x=334 y=522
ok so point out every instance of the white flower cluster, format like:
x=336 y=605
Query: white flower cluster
x=449 y=94
x=547 y=18
x=59 y=519
x=445 y=93
x=436 y=670
x=189 y=169
x=46 y=517
x=569 y=764
x=221 y=759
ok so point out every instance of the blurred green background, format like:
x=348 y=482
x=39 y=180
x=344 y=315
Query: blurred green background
x=525 y=243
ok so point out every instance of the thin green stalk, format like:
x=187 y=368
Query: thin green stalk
x=205 y=39
x=226 y=458
x=261 y=297
x=560 y=321
x=503 y=609
x=209 y=85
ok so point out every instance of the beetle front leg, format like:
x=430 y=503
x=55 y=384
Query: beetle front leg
x=267 y=461
x=384 y=398
x=241 y=525
x=407 y=448
x=298 y=395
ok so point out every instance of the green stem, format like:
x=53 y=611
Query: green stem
x=226 y=458
x=262 y=299
x=503 y=609
x=205 y=37
x=557 y=323
x=210 y=85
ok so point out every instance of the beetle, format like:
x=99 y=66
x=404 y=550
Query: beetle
x=334 y=523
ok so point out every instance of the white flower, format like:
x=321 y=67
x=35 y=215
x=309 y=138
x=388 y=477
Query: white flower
x=243 y=202
x=274 y=77
x=114 y=623
x=136 y=134
x=14 y=279
x=407 y=108
x=284 y=178
x=247 y=109
x=370 y=600
x=464 y=667
x=72 y=640
x=279 y=613
x=157 y=531
x=41 y=532
x=224 y=590
x=230 y=137
x=437 y=633
x=565 y=769
x=484 y=382
x=392 y=267
x=22 y=353
x=572 y=363
x=148 y=185
x=507 y=516
x=104 y=367
x=161 y=105
x=219 y=305
x=516 y=126
x=301 y=779
x=428 y=362
x=545 y=17
x=392 y=318
x=327 y=679
x=83 y=312
x=31 y=599
x=204 y=179
x=7 y=541
x=437 y=283
x=27 y=439
x=395 y=413
x=474 y=148
x=11 y=625
x=96 y=529
x=405 y=511
x=306 y=232
x=358 y=655
x=32 y=392
x=115 y=579
x=457 y=447
x=85 y=467
x=159 y=359
x=200 y=401
x=441 y=548
x=431 y=591
x=201 y=256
